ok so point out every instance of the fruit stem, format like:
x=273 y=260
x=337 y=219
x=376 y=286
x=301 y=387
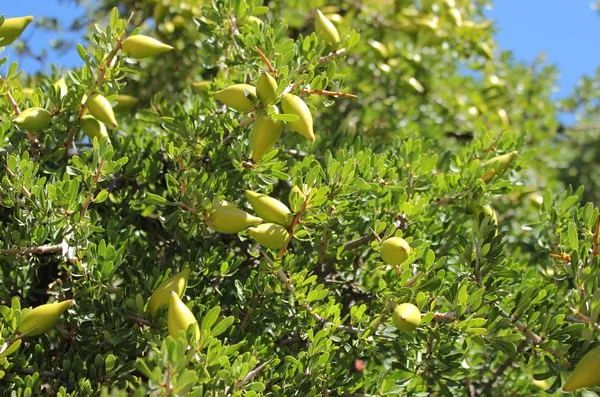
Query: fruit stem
x=23 y=188
x=295 y=223
x=34 y=142
x=272 y=70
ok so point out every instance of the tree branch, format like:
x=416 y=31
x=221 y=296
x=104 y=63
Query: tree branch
x=294 y=224
x=584 y=318
x=327 y=93
x=40 y=250
x=90 y=195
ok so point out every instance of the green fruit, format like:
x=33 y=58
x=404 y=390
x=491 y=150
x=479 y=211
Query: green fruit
x=125 y=103
x=487 y=209
x=201 y=85
x=586 y=372
x=379 y=48
x=325 y=29
x=12 y=28
x=180 y=317
x=235 y=97
x=42 y=318
x=498 y=164
x=406 y=317
x=269 y=235
x=140 y=46
x=228 y=218
x=291 y=104
x=252 y=19
x=61 y=87
x=93 y=128
x=159 y=12
x=395 y=251
x=34 y=119
x=266 y=89
x=264 y=135
x=100 y=108
x=269 y=209
x=162 y=294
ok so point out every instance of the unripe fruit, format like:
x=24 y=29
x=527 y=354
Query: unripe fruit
x=228 y=218
x=487 y=209
x=291 y=104
x=252 y=19
x=100 y=108
x=264 y=135
x=180 y=317
x=201 y=85
x=159 y=12
x=498 y=164
x=125 y=103
x=40 y=319
x=266 y=89
x=269 y=208
x=33 y=119
x=586 y=372
x=61 y=87
x=269 y=235
x=406 y=317
x=12 y=28
x=162 y=294
x=395 y=251
x=380 y=48
x=141 y=46
x=235 y=97
x=93 y=128
x=325 y=29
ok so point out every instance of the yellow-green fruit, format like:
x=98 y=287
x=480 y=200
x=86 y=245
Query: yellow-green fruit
x=235 y=97
x=40 y=319
x=125 y=103
x=269 y=208
x=498 y=164
x=12 y=28
x=159 y=12
x=93 y=128
x=228 y=218
x=264 y=135
x=406 y=317
x=100 y=108
x=266 y=89
x=162 y=294
x=379 y=48
x=201 y=85
x=395 y=251
x=180 y=317
x=33 y=119
x=252 y=19
x=487 y=209
x=61 y=87
x=291 y=104
x=325 y=29
x=140 y=46
x=586 y=372
x=269 y=235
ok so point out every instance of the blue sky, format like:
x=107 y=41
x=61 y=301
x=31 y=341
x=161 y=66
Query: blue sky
x=567 y=31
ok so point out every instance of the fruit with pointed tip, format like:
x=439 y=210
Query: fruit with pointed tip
x=379 y=48
x=586 y=372
x=125 y=103
x=270 y=209
x=228 y=218
x=34 y=119
x=162 y=294
x=326 y=30
x=269 y=235
x=266 y=88
x=141 y=46
x=201 y=85
x=61 y=87
x=264 y=135
x=486 y=209
x=93 y=128
x=100 y=108
x=180 y=317
x=292 y=104
x=498 y=165
x=42 y=318
x=395 y=251
x=13 y=28
x=406 y=317
x=235 y=97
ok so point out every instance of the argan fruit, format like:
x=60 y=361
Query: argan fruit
x=125 y=103
x=269 y=235
x=180 y=317
x=141 y=46
x=266 y=88
x=42 y=318
x=34 y=119
x=326 y=30
x=264 y=135
x=395 y=251
x=379 y=48
x=251 y=19
x=487 y=209
x=269 y=209
x=536 y=199
x=93 y=128
x=61 y=87
x=498 y=165
x=406 y=317
x=201 y=85
x=162 y=294
x=12 y=28
x=228 y=218
x=159 y=12
x=235 y=97
x=100 y=108
x=586 y=372
x=291 y=104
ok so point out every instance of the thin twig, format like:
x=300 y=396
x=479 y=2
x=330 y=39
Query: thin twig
x=90 y=195
x=328 y=93
x=295 y=223
x=23 y=188
x=595 y=242
x=266 y=61
x=584 y=318
x=250 y=375
x=34 y=142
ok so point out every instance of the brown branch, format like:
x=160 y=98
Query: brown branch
x=23 y=188
x=90 y=196
x=325 y=58
x=250 y=375
x=328 y=93
x=40 y=250
x=584 y=318
x=532 y=336
x=595 y=242
x=294 y=224
x=266 y=61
